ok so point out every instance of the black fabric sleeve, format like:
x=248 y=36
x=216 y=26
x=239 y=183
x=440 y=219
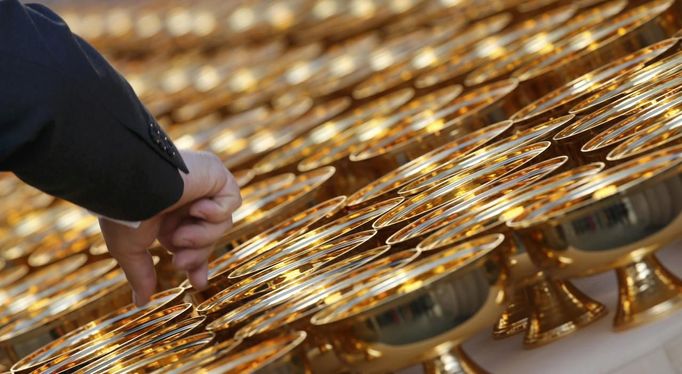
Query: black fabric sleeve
x=71 y=126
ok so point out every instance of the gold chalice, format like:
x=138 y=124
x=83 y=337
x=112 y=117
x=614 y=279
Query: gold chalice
x=533 y=293
x=294 y=314
x=263 y=242
x=651 y=121
x=116 y=340
x=504 y=145
x=268 y=206
x=418 y=114
x=420 y=313
x=556 y=102
x=288 y=269
x=493 y=47
x=91 y=331
x=617 y=220
x=431 y=55
x=456 y=187
x=576 y=134
x=597 y=45
x=201 y=358
x=628 y=83
x=665 y=133
x=154 y=341
x=469 y=112
x=278 y=355
x=41 y=279
x=426 y=163
x=473 y=199
x=62 y=312
x=525 y=50
x=159 y=356
x=236 y=317
x=351 y=222
x=288 y=155
x=36 y=298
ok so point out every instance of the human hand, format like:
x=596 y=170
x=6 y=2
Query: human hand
x=189 y=228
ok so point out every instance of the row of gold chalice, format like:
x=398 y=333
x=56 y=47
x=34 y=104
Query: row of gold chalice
x=480 y=266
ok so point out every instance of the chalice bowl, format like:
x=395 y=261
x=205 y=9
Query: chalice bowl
x=546 y=309
x=617 y=220
x=421 y=312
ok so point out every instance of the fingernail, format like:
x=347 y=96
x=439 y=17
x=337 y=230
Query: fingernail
x=135 y=299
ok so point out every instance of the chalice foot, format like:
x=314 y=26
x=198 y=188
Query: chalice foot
x=646 y=291
x=455 y=361
x=514 y=319
x=558 y=308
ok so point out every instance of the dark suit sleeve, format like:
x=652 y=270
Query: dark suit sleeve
x=71 y=126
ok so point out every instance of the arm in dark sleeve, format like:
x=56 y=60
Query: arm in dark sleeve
x=71 y=126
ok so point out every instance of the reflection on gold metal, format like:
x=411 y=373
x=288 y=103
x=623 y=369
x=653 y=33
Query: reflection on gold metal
x=455 y=149
x=367 y=336
x=457 y=187
x=280 y=354
x=592 y=81
x=618 y=230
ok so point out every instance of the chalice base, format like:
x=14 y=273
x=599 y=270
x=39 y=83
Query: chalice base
x=456 y=361
x=514 y=319
x=646 y=291
x=558 y=309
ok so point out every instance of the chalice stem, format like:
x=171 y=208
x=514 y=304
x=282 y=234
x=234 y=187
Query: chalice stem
x=456 y=361
x=646 y=291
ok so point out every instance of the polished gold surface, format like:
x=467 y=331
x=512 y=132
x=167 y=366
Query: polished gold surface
x=662 y=134
x=493 y=47
x=448 y=124
x=462 y=115
x=628 y=83
x=524 y=51
x=484 y=154
x=458 y=186
x=201 y=358
x=277 y=355
x=300 y=308
x=350 y=254
x=643 y=121
x=476 y=198
x=91 y=331
x=348 y=223
x=472 y=271
x=305 y=145
x=275 y=275
x=592 y=81
x=632 y=225
x=134 y=331
x=646 y=20
x=453 y=150
x=259 y=209
x=170 y=335
x=270 y=238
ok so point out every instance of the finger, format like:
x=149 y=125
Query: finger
x=221 y=206
x=139 y=270
x=195 y=263
x=199 y=234
x=129 y=248
x=198 y=277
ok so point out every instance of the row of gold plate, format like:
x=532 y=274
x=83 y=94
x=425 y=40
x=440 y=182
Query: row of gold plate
x=412 y=172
